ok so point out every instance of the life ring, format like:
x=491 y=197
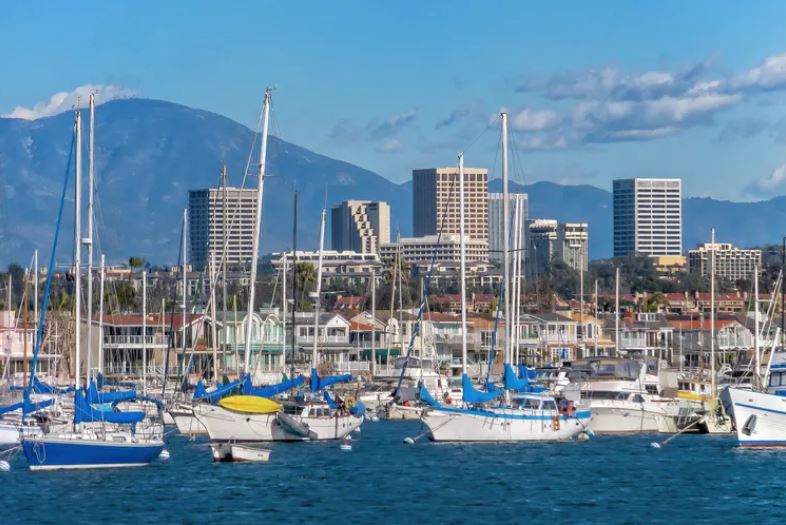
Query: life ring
x=449 y=400
x=349 y=402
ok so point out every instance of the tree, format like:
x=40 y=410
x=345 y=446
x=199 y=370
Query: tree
x=136 y=262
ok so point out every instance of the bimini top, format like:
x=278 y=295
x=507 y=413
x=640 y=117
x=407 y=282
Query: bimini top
x=250 y=404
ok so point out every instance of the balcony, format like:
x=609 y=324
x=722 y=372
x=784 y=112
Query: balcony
x=346 y=367
x=136 y=340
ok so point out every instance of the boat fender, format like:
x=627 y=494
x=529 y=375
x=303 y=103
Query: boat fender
x=164 y=455
x=555 y=422
x=449 y=400
x=5 y=466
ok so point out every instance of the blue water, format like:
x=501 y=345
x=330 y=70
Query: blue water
x=694 y=479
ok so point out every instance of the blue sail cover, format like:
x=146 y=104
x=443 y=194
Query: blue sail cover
x=525 y=372
x=425 y=397
x=39 y=387
x=94 y=396
x=201 y=394
x=329 y=400
x=84 y=413
x=318 y=383
x=358 y=410
x=26 y=406
x=273 y=390
x=512 y=381
x=472 y=395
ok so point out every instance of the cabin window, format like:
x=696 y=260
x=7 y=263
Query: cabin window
x=532 y=404
x=549 y=405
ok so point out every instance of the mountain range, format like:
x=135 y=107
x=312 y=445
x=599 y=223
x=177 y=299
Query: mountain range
x=149 y=153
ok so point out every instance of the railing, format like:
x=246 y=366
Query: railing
x=131 y=370
x=136 y=340
x=455 y=339
x=341 y=339
x=353 y=366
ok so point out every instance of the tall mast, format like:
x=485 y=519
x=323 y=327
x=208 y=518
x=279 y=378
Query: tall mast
x=514 y=317
x=144 y=331
x=463 y=269
x=77 y=248
x=506 y=235
x=712 y=315
x=756 y=376
x=617 y=311
x=257 y=225
x=101 y=320
x=88 y=241
x=581 y=298
x=185 y=286
x=373 y=322
x=35 y=295
x=213 y=331
x=284 y=314
x=224 y=262
x=315 y=349
x=294 y=282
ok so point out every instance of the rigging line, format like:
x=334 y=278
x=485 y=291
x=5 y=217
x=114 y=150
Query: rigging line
x=486 y=129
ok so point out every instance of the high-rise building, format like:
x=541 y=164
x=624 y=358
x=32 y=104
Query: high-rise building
x=549 y=241
x=218 y=212
x=573 y=245
x=360 y=226
x=435 y=202
x=647 y=217
x=730 y=262
x=496 y=227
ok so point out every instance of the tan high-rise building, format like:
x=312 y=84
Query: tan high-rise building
x=435 y=202
x=360 y=226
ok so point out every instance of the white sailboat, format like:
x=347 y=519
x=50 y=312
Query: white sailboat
x=520 y=417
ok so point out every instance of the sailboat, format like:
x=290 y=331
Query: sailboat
x=238 y=418
x=523 y=414
x=97 y=439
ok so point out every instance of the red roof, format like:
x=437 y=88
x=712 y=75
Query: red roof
x=152 y=319
x=344 y=302
x=354 y=326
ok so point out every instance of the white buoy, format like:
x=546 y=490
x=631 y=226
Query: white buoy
x=374 y=418
x=164 y=455
x=409 y=441
x=357 y=430
x=347 y=438
x=583 y=436
x=5 y=466
x=655 y=445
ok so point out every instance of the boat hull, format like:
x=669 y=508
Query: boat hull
x=11 y=434
x=227 y=425
x=759 y=417
x=447 y=424
x=45 y=453
x=629 y=418
x=186 y=423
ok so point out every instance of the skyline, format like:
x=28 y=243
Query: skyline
x=614 y=100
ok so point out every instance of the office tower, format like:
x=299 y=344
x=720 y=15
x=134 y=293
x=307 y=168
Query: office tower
x=730 y=262
x=647 y=217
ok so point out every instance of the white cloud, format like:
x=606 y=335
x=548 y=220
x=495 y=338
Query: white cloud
x=65 y=100
x=770 y=74
x=533 y=119
x=391 y=146
x=768 y=185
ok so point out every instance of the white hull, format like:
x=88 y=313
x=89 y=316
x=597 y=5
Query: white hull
x=396 y=412
x=226 y=425
x=760 y=418
x=501 y=425
x=231 y=452
x=186 y=423
x=11 y=434
x=626 y=417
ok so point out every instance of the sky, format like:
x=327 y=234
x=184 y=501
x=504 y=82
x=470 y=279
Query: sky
x=595 y=90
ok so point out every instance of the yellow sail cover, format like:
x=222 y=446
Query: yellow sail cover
x=250 y=404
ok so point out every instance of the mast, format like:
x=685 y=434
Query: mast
x=514 y=317
x=617 y=311
x=88 y=241
x=462 y=259
x=144 y=331
x=712 y=315
x=25 y=314
x=284 y=314
x=77 y=248
x=257 y=225
x=506 y=235
x=597 y=320
x=294 y=283
x=185 y=286
x=213 y=332
x=315 y=348
x=224 y=262
x=35 y=295
x=757 y=375
x=374 y=322
x=101 y=321
x=581 y=298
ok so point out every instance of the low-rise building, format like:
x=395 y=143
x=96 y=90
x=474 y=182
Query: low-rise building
x=730 y=262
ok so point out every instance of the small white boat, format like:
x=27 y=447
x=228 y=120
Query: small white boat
x=231 y=452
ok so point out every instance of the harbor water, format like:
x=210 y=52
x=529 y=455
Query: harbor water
x=616 y=480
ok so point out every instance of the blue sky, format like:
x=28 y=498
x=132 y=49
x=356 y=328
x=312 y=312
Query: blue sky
x=596 y=90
